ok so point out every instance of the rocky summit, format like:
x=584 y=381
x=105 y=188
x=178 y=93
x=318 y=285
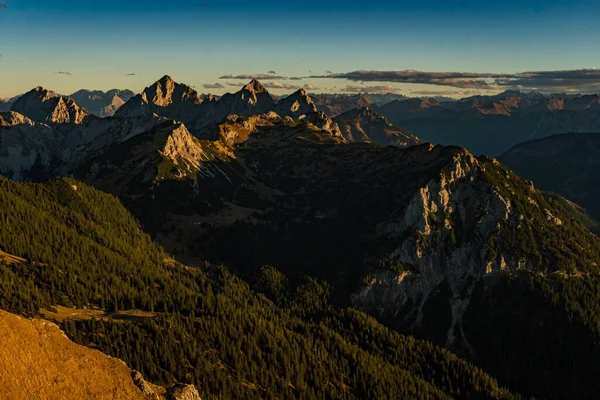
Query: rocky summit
x=42 y=105
x=365 y=125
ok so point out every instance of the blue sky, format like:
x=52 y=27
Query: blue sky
x=196 y=42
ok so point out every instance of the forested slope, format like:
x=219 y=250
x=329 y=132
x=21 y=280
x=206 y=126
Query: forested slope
x=211 y=329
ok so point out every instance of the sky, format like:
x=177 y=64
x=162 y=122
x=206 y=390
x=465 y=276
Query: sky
x=407 y=47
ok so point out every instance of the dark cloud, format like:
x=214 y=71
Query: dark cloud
x=213 y=86
x=272 y=72
x=370 y=89
x=253 y=76
x=63 y=73
x=455 y=79
x=132 y=74
x=579 y=80
x=295 y=78
x=582 y=80
x=278 y=85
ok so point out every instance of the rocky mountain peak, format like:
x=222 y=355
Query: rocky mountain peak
x=46 y=106
x=365 y=125
x=255 y=87
x=430 y=102
x=12 y=118
x=166 y=81
x=297 y=104
x=166 y=92
x=209 y=98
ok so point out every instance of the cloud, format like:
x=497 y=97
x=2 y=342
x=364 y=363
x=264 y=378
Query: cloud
x=370 y=89
x=63 y=73
x=309 y=86
x=295 y=78
x=272 y=72
x=253 y=76
x=443 y=92
x=580 y=80
x=234 y=84
x=213 y=86
x=132 y=74
x=278 y=85
x=2 y=5
x=455 y=79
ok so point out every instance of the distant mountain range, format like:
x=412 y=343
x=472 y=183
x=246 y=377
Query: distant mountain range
x=102 y=104
x=493 y=124
x=507 y=118
x=568 y=164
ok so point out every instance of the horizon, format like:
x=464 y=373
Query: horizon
x=288 y=92
x=453 y=49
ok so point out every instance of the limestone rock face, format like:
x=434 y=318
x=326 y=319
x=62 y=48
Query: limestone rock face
x=296 y=105
x=363 y=125
x=166 y=98
x=251 y=100
x=42 y=105
x=184 y=392
x=56 y=149
x=446 y=226
x=38 y=361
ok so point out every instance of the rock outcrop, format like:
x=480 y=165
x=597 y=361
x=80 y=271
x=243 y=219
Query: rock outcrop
x=44 y=106
x=55 y=149
x=166 y=98
x=296 y=105
x=37 y=361
x=363 y=125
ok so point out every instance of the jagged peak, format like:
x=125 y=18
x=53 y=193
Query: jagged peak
x=301 y=93
x=166 y=79
x=255 y=86
x=40 y=91
x=11 y=118
x=367 y=112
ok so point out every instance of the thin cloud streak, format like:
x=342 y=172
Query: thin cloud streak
x=254 y=76
x=213 y=86
x=370 y=89
x=278 y=85
x=580 y=79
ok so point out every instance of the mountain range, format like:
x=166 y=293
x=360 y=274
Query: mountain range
x=567 y=164
x=268 y=231
x=493 y=124
x=102 y=104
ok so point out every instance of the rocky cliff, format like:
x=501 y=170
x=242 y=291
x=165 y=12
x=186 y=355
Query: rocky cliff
x=44 y=106
x=364 y=125
x=37 y=361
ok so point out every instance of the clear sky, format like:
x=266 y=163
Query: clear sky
x=98 y=43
